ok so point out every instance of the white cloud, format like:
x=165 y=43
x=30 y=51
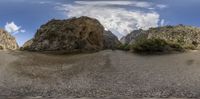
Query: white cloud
x=161 y=6
x=103 y=3
x=118 y=19
x=43 y=2
x=22 y=31
x=13 y=28
x=162 y=22
x=140 y=4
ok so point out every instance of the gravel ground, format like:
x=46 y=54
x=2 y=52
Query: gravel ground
x=102 y=74
x=39 y=97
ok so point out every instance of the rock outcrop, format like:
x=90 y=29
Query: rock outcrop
x=27 y=45
x=75 y=34
x=130 y=38
x=7 y=41
x=110 y=40
x=185 y=36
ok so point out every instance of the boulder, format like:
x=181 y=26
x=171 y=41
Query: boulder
x=7 y=41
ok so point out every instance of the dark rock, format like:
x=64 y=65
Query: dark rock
x=110 y=40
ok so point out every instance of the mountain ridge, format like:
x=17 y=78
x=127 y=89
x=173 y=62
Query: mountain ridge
x=180 y=36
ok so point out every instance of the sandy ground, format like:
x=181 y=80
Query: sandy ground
x=102 y=74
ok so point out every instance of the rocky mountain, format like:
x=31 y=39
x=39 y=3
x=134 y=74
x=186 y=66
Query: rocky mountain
x=7 y=41
x=185 y=36
x=75 y=34
x=27 y=45
x=130 y=38
x=110 y=40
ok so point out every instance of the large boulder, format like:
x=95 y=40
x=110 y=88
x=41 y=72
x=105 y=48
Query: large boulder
x=7 y=41
x=110 y=40
x=75 y=34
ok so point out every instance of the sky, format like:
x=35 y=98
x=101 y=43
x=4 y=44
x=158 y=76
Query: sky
x=22 y=18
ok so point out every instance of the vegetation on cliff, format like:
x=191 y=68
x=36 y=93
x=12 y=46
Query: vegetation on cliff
x=162 y=39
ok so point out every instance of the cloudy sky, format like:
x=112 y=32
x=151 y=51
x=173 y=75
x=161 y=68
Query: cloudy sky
x=22 y=18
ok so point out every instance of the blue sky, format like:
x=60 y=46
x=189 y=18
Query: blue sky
x=22 y=18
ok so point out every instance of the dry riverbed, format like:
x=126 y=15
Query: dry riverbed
x=102 y=74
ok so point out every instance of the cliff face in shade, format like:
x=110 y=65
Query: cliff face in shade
x=110 y=40
x=7 y=41
x=75 y=34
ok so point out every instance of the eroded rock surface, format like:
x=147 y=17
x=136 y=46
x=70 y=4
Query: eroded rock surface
x=7 y=41
x=110 y=40
x=75 y=34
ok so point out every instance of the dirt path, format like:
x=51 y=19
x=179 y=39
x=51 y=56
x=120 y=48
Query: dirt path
x=103 y=74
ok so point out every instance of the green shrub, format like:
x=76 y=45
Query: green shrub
x=195 y=43
x=125 y=47
x=150 y=45
x=190 y=47
x=175 y=47
x=155 y=45
x=1 y=47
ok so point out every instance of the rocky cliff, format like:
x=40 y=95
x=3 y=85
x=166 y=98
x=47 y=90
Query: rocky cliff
x=110 y=40
x=75 y=34
x=7 y=41
x=130 y=38
x=185 y=36
x=27 y=45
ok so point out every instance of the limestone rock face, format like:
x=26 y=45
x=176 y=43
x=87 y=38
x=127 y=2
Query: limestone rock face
x=110 y=40
x=75 y=34
x=185 y=36
x=7 y=41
